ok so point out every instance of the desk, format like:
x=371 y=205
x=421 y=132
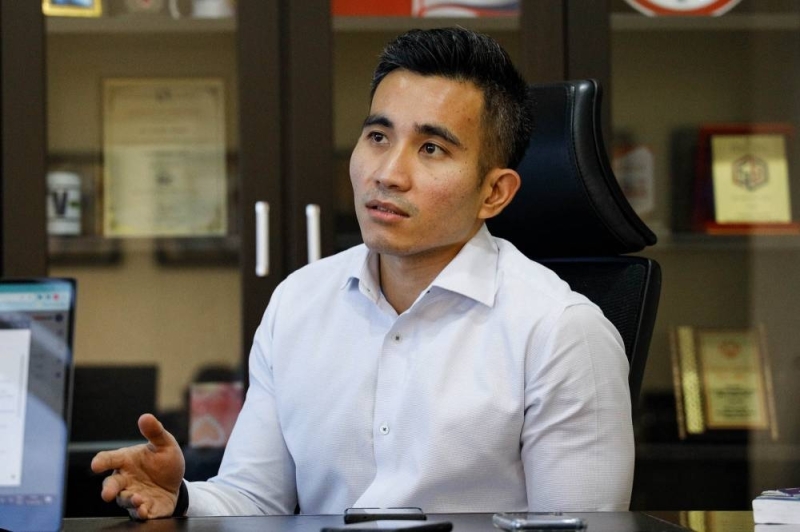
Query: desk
x=720 y=521
x=597 y=522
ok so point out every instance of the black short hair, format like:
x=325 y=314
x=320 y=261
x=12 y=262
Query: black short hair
x=464 y=55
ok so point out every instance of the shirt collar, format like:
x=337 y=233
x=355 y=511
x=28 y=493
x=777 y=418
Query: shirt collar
x=472 y=273
x=363 y=273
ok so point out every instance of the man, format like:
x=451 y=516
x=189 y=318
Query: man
x=434 y=366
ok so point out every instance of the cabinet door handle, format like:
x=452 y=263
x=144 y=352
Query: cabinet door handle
x=262 y=238
x=312 y=232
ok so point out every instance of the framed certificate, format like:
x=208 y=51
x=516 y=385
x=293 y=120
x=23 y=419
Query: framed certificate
x=165 y=172
x=723 y=383
x=72 y=8
x=742 y=179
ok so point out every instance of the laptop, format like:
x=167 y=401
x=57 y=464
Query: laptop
x=36 y=332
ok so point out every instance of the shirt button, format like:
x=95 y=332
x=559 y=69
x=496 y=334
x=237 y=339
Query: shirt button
x=397 y=338
x=384 y=429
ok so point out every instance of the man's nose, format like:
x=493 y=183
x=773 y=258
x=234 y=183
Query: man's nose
x=394 y=170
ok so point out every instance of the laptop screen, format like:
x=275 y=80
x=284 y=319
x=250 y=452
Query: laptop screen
x=36 y=324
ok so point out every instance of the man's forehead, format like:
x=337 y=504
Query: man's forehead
x=406 y=96
x=408 y=76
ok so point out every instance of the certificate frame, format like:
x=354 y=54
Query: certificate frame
x=708 y=200
x=72 y=8
x=723 y=383
x=164 y=149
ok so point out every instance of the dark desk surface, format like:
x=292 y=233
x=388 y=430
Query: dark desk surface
x=597 y=522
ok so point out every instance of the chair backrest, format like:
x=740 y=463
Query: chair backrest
x=571 y=215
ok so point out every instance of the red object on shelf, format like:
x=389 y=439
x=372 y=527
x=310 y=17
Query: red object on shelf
x=213 y=409
x=401 y=8
x=791 y=228
x=707 y=8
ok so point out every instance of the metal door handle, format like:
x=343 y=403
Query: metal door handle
x=312 y=232
x=262 y=238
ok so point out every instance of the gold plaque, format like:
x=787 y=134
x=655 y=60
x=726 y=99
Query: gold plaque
x=723 y=383
x=712 y=521
x=742 y=179
x=751 y=179
x=72 y=8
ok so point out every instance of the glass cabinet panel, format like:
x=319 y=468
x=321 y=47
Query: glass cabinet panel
x=163 y=301
x=705 y=114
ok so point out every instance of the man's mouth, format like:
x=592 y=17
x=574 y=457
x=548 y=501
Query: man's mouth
x=388 y=208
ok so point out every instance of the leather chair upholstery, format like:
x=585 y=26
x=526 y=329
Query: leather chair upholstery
x=571 y=215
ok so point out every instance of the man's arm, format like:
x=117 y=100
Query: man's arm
x=577 y=437
x=257 y=474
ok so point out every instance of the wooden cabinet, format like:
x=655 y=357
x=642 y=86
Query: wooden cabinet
x=299 y=89
x=133 y=308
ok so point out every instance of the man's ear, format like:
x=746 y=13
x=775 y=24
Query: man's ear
x=499 y=187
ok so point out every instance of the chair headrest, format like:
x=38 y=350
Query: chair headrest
x=570 y=203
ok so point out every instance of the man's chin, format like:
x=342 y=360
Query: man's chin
x=382 y=247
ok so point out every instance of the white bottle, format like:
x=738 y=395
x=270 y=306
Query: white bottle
x=63 y=203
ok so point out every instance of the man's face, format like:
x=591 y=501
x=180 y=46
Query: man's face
x=414 y=169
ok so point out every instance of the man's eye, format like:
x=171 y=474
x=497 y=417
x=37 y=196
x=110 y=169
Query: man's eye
x=376 y=136
x=431 y=149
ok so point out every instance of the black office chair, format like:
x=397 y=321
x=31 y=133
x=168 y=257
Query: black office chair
x=571 y=215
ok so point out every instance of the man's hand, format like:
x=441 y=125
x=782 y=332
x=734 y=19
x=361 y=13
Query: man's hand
x=146 y=477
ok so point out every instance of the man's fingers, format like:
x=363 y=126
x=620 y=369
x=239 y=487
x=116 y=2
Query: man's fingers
x=138 y=506
x=152 y=429
x=124 y=500
x=113 y=486
x=143 y=511
x=107 y=460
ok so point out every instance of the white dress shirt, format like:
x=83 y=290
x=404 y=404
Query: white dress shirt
x=499 y=389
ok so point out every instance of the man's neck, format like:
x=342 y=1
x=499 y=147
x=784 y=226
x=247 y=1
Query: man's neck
x=402 y=279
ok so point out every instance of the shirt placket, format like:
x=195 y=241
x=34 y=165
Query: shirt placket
x=392 y=374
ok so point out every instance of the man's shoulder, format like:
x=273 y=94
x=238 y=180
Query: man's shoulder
x=524 y=277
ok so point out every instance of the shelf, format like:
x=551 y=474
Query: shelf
x=134 y=24
x=730 y=22
x=83 y=251
x=163 y=24
x=181 y=252
x=395 y=24
x=198 y=251
x=705 y=452
x=699 y=241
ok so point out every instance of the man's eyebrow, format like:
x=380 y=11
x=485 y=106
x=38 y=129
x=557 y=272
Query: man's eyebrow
x=439 y=131
x=377 y=120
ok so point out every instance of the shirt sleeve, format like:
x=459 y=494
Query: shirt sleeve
x=257 y=474
x=577 y=436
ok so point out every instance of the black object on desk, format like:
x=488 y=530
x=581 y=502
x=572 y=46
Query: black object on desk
x=359 y=515
x=477 y=522
x=393 y=525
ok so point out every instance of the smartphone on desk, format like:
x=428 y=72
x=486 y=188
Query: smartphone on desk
x=389 y=525
x=532 y=521
x=407 y=513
